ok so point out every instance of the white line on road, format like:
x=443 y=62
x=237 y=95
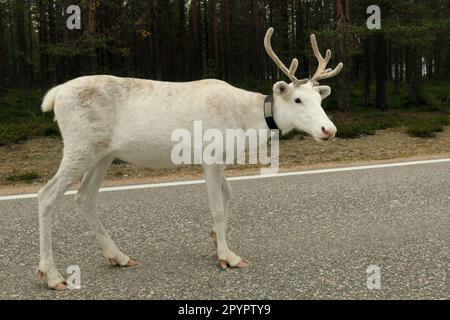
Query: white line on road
x=253 y=177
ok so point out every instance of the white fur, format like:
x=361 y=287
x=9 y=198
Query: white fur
x=104 y=117
x=49 y=100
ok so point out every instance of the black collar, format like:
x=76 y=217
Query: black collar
x=268 y=113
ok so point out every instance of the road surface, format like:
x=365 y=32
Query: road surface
x=307 y=236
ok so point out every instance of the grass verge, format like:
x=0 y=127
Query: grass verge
x=27 y=177
x=22 y=119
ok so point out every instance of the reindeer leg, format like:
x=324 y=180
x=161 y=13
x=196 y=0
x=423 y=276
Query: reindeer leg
x=219 y=193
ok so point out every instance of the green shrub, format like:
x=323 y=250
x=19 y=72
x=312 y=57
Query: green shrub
x=27 y=177
x=13 y=133
x=118 y=161
x=436 y=96
x=294 y=134
x=348 y=132
x=443 y=119
x=420 y=131
x=51 y=130
x=424 y=129
x=21 y=117
x=354 y=130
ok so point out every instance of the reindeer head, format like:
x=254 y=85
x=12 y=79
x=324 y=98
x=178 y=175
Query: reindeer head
x=298 y=104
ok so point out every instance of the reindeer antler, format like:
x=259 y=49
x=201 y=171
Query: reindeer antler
x=321 y=72
x=290 y=73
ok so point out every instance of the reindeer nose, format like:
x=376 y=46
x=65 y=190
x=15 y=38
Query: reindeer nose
x=328 y=132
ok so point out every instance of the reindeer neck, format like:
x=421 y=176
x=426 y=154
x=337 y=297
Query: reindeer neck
x=253 y=107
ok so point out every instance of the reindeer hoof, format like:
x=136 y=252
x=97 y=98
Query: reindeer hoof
x=60 y=286
x=223 y=264
x=132 y=263
x=241 y=264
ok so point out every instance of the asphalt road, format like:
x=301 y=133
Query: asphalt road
x=307 y=237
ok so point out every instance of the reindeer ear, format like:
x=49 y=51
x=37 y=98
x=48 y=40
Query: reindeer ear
x=324 y=91
x=281 y=88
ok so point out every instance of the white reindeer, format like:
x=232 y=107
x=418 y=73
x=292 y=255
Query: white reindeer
x=104 y=117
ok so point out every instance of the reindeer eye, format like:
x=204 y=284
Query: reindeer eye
x=298 y=100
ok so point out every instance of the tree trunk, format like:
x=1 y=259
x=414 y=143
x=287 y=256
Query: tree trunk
x=91 y=37
x=397 y=66
x=245 y=60
x=284 y=28
x=380 y=70
x=52 y=41
x=437 y=65
x=226 y=42
x=408 y=64
x=2 y=51
x=213 y=36
x=256 y=39
x=279 y=19
x=196 y=40
x=207 y=56
x=388 y=61
x=43 y=44
x=30 y=43
x=342 y=10
x=367 y=61
x=402 y=65
x=156 y=39
x=430 y=67
x=23 y=67
x=301 y=39
x=182 y=73
x=74 y=62
x=62 y=66
x=416 y=76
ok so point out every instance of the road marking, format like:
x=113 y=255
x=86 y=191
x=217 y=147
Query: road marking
x=239 y=178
